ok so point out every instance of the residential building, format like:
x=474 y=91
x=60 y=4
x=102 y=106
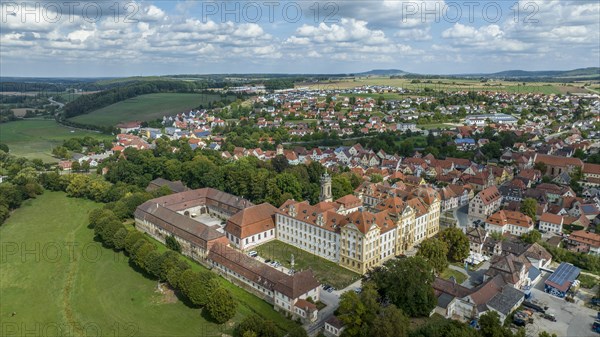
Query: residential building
x=513 y=222
x=591 y=175
x=485 y=203
x=333 y=327
x=551 y=223
x=585 y=242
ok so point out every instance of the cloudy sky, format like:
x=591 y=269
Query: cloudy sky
x=125 y=38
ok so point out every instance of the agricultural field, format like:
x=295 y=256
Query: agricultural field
x=35 y=138
x=145 y=108
x=452 y=85
x=68 y=282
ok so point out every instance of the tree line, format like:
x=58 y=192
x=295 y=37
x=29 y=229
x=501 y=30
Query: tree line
x=87 y=103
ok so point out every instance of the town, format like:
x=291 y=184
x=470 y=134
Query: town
x=494 y=191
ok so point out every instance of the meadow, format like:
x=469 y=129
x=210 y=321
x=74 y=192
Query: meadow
x=145 y=108
x=35 y=138
x=55 y=278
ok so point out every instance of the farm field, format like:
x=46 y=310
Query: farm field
x=452 y=85
x=35 y=138
x=145 y=108
x=327 y=272
x=72 y=283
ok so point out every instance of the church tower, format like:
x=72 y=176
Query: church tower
x=326 y=188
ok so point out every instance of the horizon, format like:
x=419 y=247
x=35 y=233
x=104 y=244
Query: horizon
x=161 y=38
x=300 y=74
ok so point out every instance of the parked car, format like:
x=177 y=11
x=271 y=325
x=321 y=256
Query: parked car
x=252 y=253
x=268 y=261
x=596 y=301
x=596 y=326
x=549 y=317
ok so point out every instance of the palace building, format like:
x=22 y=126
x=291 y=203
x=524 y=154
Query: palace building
x=205 y=221
x=357 y=232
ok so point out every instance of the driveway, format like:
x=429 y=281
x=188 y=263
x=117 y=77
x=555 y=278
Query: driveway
x=572 y=319
x=332 y=300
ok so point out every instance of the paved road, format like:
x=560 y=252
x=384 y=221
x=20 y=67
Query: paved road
x=572 y=319
x=60 y=105
x=332 y=300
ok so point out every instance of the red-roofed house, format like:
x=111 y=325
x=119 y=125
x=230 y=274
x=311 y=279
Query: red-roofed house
x=551 y=223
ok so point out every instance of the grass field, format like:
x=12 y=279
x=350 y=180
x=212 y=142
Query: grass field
x=451 y=85
x=36 y=138
x=458 y=276
x=53 y=274
x=145 y=108
x=325 y=271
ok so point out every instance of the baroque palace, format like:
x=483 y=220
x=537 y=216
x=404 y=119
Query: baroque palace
x=357 y=231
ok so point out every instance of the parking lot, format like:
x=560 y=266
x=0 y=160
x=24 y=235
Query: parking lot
x=572 y=319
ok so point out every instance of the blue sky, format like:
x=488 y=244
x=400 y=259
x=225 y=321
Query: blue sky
x=125 y=38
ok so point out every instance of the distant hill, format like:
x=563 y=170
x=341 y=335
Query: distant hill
x=382 y=72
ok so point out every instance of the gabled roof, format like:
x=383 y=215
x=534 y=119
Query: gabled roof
x=252 y=220
x=489 y=195
x=291 y=286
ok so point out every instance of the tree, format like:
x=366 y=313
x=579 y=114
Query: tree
x=391 y=322
x=457 y=242
x=490 y=325
x=541 y=166
x=4 y=147
x=352 y=312
x=172 y=243
x=255 y=324
x=435 y=251
x=406 y=283
x=376 y=178
x=532 y=237
x=297 y=332
x=221 y=305
x=341 y=186
x=529 y=207
x=546 y=334
x=280 y=163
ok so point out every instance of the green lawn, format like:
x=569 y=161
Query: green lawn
x=458 y=276
x=36 y=138
x=325 y=271
x=145 y=108
x=89 y=289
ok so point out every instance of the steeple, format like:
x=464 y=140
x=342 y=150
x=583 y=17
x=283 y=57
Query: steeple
x=326 y=188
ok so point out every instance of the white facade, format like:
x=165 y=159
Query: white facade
x=308 y=237
x=550 y=227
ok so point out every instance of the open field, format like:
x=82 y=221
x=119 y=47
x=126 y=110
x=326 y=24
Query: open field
x=145 y=108
x=36 y=138
x=325 y=271
x=68 y=281
x=20 y=112
x=453 y=85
